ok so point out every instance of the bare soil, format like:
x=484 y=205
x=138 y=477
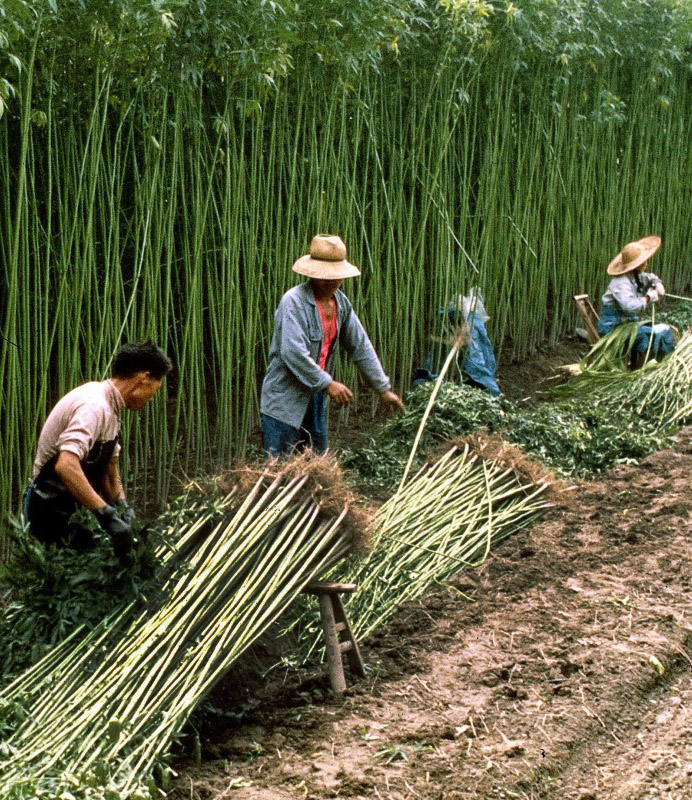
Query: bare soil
x=562 y=668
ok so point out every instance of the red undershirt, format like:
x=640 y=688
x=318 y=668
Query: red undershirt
x=329 y=331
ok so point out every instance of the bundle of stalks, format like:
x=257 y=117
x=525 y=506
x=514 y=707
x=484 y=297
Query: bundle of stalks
x=95 y=717
x=446 y=519
x=660 y=392
x=611 y=353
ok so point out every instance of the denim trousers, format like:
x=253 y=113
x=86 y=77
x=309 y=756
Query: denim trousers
x=279 y=438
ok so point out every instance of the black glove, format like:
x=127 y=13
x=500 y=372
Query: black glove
x=124 y=510
x=119 y=530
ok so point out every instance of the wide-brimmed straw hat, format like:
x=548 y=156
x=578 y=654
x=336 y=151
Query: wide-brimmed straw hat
x=326 y=260
x=634 y=255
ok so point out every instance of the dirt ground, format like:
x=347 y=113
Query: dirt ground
x=562 y=668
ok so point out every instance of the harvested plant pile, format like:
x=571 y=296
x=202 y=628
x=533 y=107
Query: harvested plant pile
x=94 y=718
x=658 y=396
x=578 y=436
x=444 y=520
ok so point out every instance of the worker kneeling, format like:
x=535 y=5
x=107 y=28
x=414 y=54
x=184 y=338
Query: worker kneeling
x=77 y=455
x=630 y=292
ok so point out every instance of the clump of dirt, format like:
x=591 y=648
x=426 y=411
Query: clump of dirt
x=561 y=668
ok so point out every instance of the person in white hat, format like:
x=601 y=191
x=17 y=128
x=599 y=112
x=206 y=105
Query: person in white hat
x=631 y=292
x=313 y=319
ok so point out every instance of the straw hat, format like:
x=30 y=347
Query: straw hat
x=633 y=255
x=326 y=260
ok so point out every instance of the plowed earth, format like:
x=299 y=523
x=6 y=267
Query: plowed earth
x=562 y=668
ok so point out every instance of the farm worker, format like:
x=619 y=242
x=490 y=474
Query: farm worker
x=77 y=455
x=312 y=320
x=629 y=294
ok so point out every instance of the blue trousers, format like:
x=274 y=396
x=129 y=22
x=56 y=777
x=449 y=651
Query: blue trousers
x=662 y=344
x=279 y=438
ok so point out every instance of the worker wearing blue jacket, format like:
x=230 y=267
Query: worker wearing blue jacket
x=312 y=321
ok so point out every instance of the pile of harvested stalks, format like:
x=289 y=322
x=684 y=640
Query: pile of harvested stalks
x=95 y=717
x=660 y=392
x=446 y=519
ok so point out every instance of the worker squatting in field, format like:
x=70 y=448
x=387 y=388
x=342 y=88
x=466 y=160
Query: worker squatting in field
x=630 y=292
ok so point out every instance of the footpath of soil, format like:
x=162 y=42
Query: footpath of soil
x=559 y=669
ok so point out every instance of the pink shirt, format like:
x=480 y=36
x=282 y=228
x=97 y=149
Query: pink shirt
x=86 y=415
x=329 y=331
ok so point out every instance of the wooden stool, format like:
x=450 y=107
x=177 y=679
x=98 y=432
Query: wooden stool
x=334 y=622
x=589 y=315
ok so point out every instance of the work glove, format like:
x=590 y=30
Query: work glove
x=661 y=289
x=652 y=294
x=124 y=510
x=120 y=532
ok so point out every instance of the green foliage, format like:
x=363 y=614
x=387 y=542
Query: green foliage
x=678 y=314
x=48 y=592
x=458 y=411
x=578 y=437
x=582 y=438
x=193 y=41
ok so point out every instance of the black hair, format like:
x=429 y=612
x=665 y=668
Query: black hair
x=136 y=357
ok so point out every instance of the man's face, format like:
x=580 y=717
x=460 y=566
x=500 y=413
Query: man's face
x=326 y=288
x=144 y=387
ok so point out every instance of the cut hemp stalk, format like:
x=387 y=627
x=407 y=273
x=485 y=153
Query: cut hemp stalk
x=95 y=717
x=444 y=520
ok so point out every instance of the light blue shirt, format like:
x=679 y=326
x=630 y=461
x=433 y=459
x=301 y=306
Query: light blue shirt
x=625 y=296
x=293 y=372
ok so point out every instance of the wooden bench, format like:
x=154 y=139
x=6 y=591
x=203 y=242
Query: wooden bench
x=334 y=623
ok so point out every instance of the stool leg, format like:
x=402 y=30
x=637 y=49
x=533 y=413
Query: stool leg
x=355 y=660
x=331 y=640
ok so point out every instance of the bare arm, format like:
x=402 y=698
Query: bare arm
x=112 y=484
x=392 y=401
x=70 y=472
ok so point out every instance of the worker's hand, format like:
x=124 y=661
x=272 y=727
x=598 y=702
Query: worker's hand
x=652 y=294
x=392 y=401
x=120 y=532
x=124 y=510
x=660 y=289
x=340 y=393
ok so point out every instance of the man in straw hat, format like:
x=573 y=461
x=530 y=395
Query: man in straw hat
x=312 y=320
x=631 y=292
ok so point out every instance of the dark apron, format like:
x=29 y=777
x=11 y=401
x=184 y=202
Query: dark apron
x=48 y=504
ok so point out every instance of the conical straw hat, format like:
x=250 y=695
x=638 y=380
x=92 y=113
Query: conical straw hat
x=326 y=260
x=633 y=255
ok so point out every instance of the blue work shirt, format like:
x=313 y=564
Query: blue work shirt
x=293 y=373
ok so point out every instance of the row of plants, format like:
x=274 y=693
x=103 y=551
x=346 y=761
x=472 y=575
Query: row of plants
x=162 y=165
x=579 y=428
